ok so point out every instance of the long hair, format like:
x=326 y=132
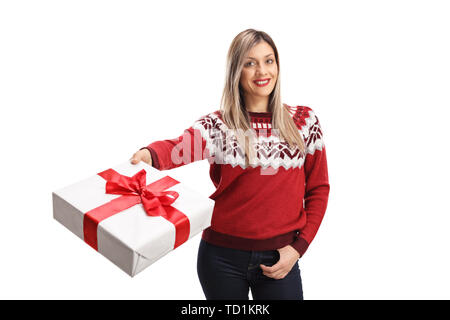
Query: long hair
x=232 y=108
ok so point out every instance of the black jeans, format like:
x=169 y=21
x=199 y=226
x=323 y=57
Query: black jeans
x=226 y=273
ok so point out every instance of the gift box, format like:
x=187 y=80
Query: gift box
x=132 y=214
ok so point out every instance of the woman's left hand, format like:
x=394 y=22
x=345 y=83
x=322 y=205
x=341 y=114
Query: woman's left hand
x=288 y=257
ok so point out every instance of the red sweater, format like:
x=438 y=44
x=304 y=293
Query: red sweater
x=280 y=201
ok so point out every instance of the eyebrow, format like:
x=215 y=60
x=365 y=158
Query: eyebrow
x=264 y=56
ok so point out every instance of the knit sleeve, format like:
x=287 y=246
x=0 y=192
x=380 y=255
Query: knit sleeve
x=190 y=146
x=317 y=187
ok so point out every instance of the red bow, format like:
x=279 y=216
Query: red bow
x=134 y=190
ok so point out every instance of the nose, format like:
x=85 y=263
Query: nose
x=261 y=70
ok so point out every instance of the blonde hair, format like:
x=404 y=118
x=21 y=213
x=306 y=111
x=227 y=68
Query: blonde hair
x=232 y=108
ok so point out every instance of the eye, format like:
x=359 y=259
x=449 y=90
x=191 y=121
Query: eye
x=248 y=63
x=270 y=60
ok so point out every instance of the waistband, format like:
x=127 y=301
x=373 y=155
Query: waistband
x=228 y=241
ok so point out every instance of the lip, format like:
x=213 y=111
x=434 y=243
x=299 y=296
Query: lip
x=261 y=85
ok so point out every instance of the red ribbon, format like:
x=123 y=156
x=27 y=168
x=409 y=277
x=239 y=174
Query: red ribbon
x=155 y=200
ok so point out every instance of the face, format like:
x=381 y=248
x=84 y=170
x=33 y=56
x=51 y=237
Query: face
x=259 y=65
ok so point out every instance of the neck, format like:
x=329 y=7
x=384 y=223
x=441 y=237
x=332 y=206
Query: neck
x=257 y=104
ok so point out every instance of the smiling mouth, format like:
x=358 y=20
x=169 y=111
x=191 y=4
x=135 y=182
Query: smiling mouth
x=261 y=83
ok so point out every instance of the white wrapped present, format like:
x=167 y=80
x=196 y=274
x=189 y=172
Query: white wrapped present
x=132 y=214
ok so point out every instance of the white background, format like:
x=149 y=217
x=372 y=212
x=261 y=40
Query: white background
x=84 y=84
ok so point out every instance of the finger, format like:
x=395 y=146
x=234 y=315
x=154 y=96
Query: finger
x=277 y=271
x=135 y=159
x=273 y=275
x=280 y=275
x=284 y=274
x=276 y=275
x=277 y=266
x=267 y=270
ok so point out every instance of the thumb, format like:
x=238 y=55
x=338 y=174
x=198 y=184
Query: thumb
x=135 y=159
x=271 y=269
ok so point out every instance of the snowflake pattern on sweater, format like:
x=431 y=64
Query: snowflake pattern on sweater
x=270 y=149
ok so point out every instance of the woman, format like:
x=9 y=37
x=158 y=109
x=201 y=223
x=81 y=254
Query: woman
x=268 y=163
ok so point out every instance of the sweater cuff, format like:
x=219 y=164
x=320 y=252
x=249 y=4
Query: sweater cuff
x=155 y=160
x=301 y=245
